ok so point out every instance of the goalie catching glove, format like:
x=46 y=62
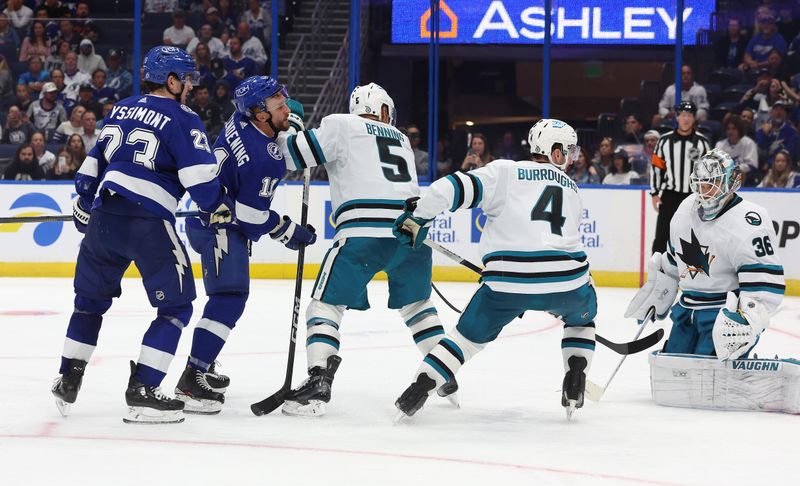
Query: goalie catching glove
x=658 y=292
x=409 y=229
x=738 y=326
x=292 y=235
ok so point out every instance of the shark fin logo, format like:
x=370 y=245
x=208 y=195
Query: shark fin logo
x=45 y=234
x=425 y=32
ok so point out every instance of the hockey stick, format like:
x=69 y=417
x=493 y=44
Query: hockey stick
x=619 y=348
x=275 y=400
x=456 y=309
x=594 y=392
x=68 y=217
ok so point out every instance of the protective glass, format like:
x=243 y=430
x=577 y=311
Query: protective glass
x=275 y=102
x=573 y=152
x=191 y=77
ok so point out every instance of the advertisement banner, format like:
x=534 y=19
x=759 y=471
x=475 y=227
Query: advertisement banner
x=582 y=22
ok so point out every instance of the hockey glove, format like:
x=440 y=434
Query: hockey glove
x=223 y=214
x=296 y=115
x=411 y=230
x=81 y=212
x=738 y=326
x=659 y=291
x=292 y=235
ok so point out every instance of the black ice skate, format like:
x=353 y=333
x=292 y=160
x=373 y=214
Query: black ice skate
x=310 y=397
x=147 y=405
x=66 y=387
x=572 y=390
x=217 y=381
x=414 y=397
x=448 y=391
x=196 y=394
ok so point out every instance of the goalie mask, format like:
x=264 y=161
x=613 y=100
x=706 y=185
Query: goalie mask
x=546 y=133
x=369 y=100
x=714 y=181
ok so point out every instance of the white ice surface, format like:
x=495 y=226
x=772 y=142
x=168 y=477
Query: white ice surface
x=511 y=428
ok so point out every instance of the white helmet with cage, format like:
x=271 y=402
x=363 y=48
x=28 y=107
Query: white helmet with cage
x=369 y=100
x=714 y=181
x=548 y=132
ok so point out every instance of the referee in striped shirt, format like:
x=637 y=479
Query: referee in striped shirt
x=673 y=162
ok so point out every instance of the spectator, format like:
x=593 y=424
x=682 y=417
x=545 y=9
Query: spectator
x=218 y=28
x=775 y=65
x=179 y=34
x=202 y=57
x=35 y=77
x=509 y=147
x=107 y=106
x=66 y=32
x=118 y=78
x=776 y=134
x=739 y=146
x=17 y=130
x=251 y=46
x=73 y=77
x=89 y=120
x=420 y=156
x=65 y=168
x=20 y=14
x=781 y=173
x=57 y=78
x=762 y=43
x=788 y=25
x=759 y=90
x=582 y=171
x=9 y=40
x=76 y=148
x=25 y=167
x=205 y=35
x=604 y=157
x=207 y=110
x=690 y=91
x=228 y=16
x=88 y=61
x=444 y=162
x=55 y=9
x=44 y=156
x=642 y=164
x=160 y=6
x=22 y=97
x=748 y=116
x=222 y=97
x=478 y=154
x=84 y=25
x=55 y=60
x=237 y=66
x=621 y=173
x=47 y=113
x=86 y=100
x=633 y=130
x=730 y=48
x=73 y=125
x=259 y=20
x=6 y=79
x=102 y=92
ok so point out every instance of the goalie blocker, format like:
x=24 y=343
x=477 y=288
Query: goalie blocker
x=695 y=381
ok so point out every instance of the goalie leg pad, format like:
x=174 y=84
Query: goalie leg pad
x=322 y=341
x=423 y=321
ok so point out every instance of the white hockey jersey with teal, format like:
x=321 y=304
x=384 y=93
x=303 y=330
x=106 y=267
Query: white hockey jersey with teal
x=733 y=252
x=370 y=167
x=530 y=243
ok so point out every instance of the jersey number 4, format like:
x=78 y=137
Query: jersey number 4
x=549 y=208
x=395 y=167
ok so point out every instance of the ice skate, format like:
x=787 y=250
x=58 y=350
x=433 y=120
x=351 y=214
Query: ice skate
x=574 y=385
x=448 y=391
x=198 y=397
x=414 y=397
x=148 y=405
x=66 y=387
x=309 y=398
x=217 y=381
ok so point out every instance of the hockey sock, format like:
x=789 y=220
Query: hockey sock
x=322 y=341
x=83 y=330
x=160 y=342
x=423 y=321
x=210 y=334
x=578 y=341
x=447 y=357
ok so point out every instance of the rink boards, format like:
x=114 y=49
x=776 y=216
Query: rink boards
x=617 y=229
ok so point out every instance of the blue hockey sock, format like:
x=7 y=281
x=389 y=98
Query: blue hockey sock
x=211 y=332
x=83 y=330
x=160 y=342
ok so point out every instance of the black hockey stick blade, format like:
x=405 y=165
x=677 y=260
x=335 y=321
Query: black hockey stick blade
x=269 y=404
x=632 y=347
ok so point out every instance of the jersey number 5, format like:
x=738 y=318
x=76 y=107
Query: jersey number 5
x=395 y=167
x=553 y=198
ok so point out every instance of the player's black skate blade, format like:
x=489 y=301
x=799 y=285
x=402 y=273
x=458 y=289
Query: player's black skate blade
x=148 y=405
x=217 y=381
x=414 y=397
x=574 y=386
x=66 y=387
x=448 y=391
x=310 y=397
x=198 y=397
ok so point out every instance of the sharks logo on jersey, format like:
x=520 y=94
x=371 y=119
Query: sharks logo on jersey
x=695 y=256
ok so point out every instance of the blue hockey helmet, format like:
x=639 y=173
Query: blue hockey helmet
x=254 y=91
x=161 y=61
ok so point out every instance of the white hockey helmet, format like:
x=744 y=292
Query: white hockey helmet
x=714 y=180
x=546 y=133
x=369 y=100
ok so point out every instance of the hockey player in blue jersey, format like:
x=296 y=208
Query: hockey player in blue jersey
x=152 y=149
x=251 y=166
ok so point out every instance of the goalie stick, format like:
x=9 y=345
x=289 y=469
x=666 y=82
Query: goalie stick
x=68 y=217
x=632 y=347
x=275 y=400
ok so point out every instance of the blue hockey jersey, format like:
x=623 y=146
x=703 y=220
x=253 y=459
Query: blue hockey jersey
x=251 y=166
x=150 y=151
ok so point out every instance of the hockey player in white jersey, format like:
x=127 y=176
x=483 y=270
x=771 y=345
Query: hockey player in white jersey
x=532 y=253
x=721 y=255
x=371 y=170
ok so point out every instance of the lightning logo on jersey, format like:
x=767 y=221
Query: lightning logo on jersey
x=221 y=248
